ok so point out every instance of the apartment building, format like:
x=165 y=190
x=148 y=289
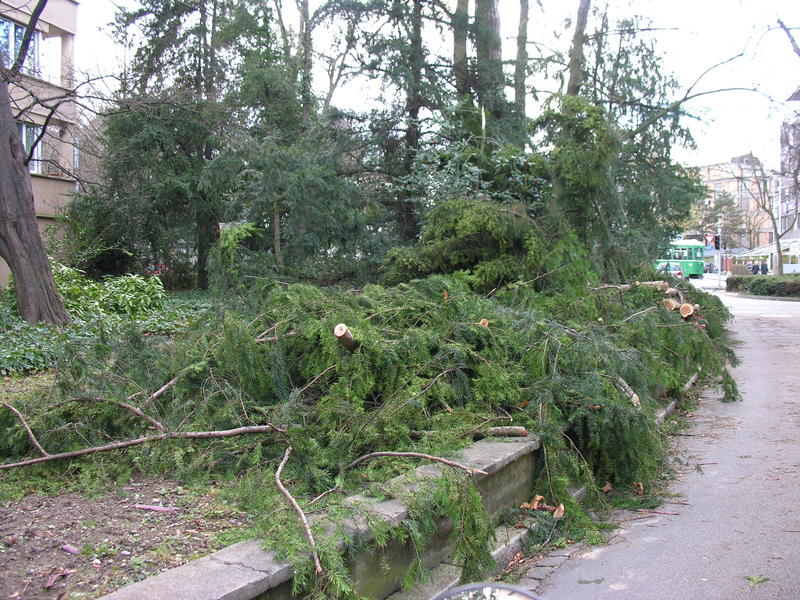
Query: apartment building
x=46 y=116
x=744 y=180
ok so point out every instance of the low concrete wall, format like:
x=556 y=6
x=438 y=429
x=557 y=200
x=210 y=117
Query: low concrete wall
x=245 y=571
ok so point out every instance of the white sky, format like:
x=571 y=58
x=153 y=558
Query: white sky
x=705 y=33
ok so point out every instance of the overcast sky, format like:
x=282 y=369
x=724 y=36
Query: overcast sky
x=699 y=34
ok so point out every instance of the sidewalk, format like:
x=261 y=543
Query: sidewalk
x=735 y=531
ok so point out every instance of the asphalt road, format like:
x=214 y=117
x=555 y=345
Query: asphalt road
x=737 y=531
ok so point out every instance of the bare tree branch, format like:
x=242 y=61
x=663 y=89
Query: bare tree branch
x=298 y=510
x=26 y=39
x=138 y=412
x=792 y=41
x=22 y=420
x=172 y=435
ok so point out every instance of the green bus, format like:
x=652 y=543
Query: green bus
x=689 y=255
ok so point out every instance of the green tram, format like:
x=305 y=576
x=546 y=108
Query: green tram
x=689 y=255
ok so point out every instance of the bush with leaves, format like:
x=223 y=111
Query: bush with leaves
x=769 y=285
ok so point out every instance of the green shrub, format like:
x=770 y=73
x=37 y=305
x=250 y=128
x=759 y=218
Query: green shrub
x=765 y=285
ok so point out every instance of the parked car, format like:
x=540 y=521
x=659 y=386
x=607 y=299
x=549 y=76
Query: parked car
x=672 y=269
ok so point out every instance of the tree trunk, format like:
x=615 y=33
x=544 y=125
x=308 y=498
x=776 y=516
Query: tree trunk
x=776 y=236
x=206 y=235
x=576 y=54
x=490 y=81
x=521 y=65
x=305 y=60
x=20 y=241
x=414 y=99
x=460 y=64
x=276 y=234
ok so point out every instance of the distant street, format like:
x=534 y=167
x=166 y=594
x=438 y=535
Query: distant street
x=736 y=528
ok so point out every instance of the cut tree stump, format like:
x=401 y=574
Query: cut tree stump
x=345 y=336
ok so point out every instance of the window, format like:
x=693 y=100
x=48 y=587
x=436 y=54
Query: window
x=11 y=35
x=28 y=134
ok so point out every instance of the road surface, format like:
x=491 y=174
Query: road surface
x=738 y=533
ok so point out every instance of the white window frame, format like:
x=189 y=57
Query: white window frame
x=28 y=134
x=9 y=30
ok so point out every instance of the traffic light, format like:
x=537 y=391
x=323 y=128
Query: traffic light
x=716 y=242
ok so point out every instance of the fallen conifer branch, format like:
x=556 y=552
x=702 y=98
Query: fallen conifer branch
x=298 y=510
x=31 y=437
x=438 y=459
x=171 y=435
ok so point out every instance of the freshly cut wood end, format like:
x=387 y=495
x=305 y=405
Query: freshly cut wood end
x=687 y=310
x=344 y=335
x=671 y=304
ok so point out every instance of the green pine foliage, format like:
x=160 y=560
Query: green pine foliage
x=433 y=360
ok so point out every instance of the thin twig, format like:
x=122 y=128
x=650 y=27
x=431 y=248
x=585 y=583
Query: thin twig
x=297 y=509
x=138 y=412
x=313 y=381
x=170 y=435
x=444 y=461
x=158 y=393
x=656 y=512
x=333 y=490
x=486 y=422
x=275 y=338
x=22 y=420
x=641 y=312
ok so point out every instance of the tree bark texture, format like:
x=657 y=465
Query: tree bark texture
x=414 y=98
x=576 y=54
x=521 y=64
x=490 y=81
x=460 y=63
x=276 y=233
x=20 y=240
x=306 y=49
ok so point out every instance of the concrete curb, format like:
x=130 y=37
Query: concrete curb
x=757 y=297
x=245 y=571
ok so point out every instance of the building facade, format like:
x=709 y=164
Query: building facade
x=42 y=103
x=743 y=180
x=790 y=172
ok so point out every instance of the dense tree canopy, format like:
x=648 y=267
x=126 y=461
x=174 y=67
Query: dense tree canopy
x=223 y=118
